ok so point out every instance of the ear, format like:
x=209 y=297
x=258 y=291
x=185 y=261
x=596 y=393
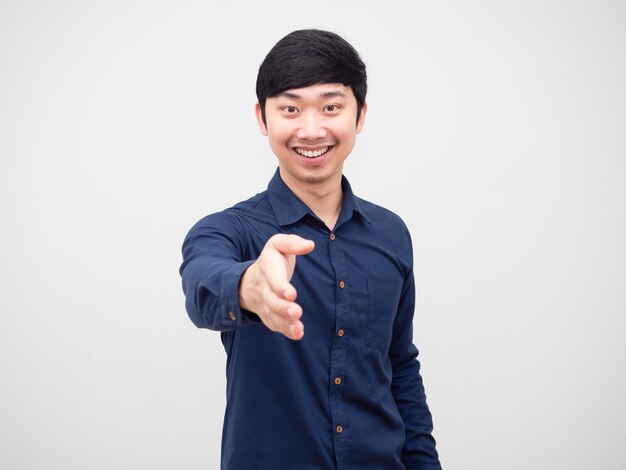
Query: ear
x=361 y=121
x=259 y=119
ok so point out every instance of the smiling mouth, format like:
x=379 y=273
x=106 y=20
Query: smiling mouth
x=308 y=153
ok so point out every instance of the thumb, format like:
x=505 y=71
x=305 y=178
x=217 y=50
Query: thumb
x=291 y=244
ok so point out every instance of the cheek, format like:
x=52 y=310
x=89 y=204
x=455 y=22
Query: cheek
x=277 y=141
x=279 y=135
x=347 y=133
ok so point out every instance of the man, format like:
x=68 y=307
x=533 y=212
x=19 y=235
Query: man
x=321 y=369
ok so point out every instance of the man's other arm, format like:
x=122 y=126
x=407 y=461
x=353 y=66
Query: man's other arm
x=419 y=452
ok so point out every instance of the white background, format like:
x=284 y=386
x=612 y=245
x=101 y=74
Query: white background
x=496 y=129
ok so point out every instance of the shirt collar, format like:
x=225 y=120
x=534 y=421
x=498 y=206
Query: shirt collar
x=289 y=209
x=351 y=204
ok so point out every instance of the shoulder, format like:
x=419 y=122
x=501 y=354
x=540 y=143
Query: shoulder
x=388 y=228
x=231 y=218
x=229 y=225
x=383 y=217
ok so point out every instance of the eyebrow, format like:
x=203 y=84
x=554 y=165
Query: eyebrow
x=326 y=94
x=333 y=94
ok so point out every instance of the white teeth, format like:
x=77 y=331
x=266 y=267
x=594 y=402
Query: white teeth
x=312 y=153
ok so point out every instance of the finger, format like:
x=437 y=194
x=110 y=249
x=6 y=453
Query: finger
x=293 y=311
x=295 y=330
x=281 y=287
x=289 y=293
x=291 y=328
x=278 y=279
x=289 y=311
x=291 y=244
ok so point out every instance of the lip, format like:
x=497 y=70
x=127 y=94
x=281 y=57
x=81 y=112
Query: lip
x=313 y=160
x=312 y=147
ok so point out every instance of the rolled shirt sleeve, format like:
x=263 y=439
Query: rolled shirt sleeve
x=213 y=263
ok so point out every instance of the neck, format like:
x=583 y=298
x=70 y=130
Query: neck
x=324 y=199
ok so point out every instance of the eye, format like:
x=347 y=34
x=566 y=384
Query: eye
x=331 y=108
x=290 y=109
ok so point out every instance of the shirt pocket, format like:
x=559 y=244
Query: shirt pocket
x=383 y=297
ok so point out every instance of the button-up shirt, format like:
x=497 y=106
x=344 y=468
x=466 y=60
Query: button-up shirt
x=349 y=394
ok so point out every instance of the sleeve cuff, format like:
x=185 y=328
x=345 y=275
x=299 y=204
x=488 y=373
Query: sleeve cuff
x=230 y=311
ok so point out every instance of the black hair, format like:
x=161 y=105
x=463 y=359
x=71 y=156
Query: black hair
x=309 y=57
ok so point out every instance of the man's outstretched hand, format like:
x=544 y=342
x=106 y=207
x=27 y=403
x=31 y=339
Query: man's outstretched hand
x=265 y=287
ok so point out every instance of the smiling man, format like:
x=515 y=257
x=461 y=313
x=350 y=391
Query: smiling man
x=321 y=368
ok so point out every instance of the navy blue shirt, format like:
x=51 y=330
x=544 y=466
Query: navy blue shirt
x=349 y=394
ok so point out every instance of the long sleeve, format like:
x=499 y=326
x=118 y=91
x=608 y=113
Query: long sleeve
x=419 y=452
x=213 y=263
x=349 y=394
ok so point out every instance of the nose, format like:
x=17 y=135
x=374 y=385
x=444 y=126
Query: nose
x=311 y=127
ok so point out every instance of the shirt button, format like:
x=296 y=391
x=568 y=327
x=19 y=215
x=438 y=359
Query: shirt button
x=342 y=284
x=232 y=316
x=332 y=236
x=337 y=380
x=339 y=429
x=340 y=332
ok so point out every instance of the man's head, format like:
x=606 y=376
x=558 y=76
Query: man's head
x=310 y=57
x=311 y=89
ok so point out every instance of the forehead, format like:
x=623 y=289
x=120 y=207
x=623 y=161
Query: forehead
x=317 y=91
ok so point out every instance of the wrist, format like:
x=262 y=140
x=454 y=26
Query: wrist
x=244 y=288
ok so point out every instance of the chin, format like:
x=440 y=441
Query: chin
x=311 y=179
x=315 y=177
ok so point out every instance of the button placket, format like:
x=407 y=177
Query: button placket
x=338 y=348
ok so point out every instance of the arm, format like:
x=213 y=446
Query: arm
x=419 y=452
x=214 y=259
x=223 y=287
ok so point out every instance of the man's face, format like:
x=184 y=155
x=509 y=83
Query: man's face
x=312 y=131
